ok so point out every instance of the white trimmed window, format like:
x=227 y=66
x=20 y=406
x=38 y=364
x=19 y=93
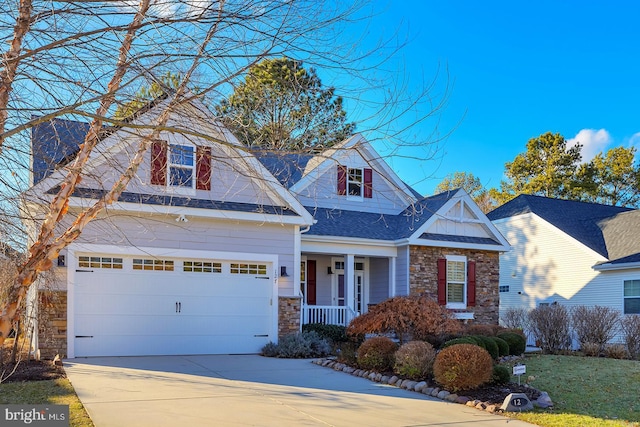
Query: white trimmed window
x=354 y=182
x=632 y=297
x=456 y=280
x=152 y=264
x=100 y=262
x=181 y=166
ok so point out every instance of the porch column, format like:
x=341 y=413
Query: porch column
x=349 y=281
x=392 y=277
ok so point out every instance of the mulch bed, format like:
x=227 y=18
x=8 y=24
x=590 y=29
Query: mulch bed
x=33 y=370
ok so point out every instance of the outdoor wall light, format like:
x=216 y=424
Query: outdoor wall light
x=329 y=271
x=283 y=271
x=182 y=218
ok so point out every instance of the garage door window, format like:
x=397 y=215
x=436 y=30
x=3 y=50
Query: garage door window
x=202 y=267
x=153 y=264
x=249 y=269
x=100 y=262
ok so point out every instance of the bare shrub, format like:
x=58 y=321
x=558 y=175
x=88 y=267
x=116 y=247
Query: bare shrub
x=412 y=317
x=463 y=367
x=515 y=318
x=631 y=327
x=550 y=324
x=414 y=360
x=595 y=325
x=616 y=351
x=590 y=349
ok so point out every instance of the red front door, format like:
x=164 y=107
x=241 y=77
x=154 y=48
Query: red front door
x=311 y=282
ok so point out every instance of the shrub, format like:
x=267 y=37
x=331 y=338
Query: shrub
x=484 y=330
x=377 y=354
x=489 y=344
x=461 y=340
x=503 y=346
x=597 y=325
x=414 y=360
x=298 y=346
x=501 y=375
x=416 y=317
x=517 y=343
x=590 y=349
x=515 y=318
x=550 y=325
x=332 y=333
x=616 y=351
x=631 y=327
x=462 y=367
x=347 y=352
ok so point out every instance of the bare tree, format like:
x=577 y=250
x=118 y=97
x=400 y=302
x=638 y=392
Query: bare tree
x=82 y=60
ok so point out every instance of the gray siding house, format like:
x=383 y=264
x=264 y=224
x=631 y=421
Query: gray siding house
x=214 y=248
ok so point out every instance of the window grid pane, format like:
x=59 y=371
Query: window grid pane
x=455 y=292
x=632 y=288
x=354 y=182
x=100 y=262
x=152 y=264
x=202 y=267
x=249 y=269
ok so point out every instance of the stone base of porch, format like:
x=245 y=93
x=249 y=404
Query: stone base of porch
x=289 y=315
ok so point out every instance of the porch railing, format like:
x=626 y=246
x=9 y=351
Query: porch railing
x=327 y=314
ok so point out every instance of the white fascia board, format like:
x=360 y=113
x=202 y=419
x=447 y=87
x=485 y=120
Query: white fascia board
x=460 y=245
x=345 y=245
x=75 y=202
x=612 y=267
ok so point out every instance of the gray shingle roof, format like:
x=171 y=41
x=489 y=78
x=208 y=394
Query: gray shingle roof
x=286 y=167
x=611 y=231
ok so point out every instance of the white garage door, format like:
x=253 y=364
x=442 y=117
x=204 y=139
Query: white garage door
x=130 y=306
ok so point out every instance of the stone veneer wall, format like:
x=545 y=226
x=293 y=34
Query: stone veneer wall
x=289 y=310
x=52 y=323
x=423 y=278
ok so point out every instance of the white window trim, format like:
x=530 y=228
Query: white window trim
x=463 y=304
x=176 y=189
x=624 y=297
x=352 y=196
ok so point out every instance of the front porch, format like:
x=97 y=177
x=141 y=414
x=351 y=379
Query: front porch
x=337 y=288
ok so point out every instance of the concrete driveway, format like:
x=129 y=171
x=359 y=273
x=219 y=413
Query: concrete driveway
x=250 y=390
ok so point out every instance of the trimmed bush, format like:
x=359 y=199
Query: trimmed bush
x=501 y=375
x=414 y=360
x=461 y=340
x=347 y=353
x=484 y=330
x=377 y=354
x=298 y=346
x=590 y=349
x=489 y=344
x=517 y=343
x=503 y=346
x=616 y=351
x=463 y=367
x=332 y=333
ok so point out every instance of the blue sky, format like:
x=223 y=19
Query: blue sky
x=518 y=69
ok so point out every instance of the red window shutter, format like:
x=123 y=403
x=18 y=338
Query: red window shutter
x=471 y=283
x=368 y=183
x=342 y=180
x=442 y=281
x=203 y=168
x=159 y=163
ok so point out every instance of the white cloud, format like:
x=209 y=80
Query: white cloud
x=593 y=142
x=634 y=141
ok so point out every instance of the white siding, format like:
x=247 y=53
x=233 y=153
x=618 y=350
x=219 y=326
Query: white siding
x=323 y=191
x=198 y=234
x=546 y=265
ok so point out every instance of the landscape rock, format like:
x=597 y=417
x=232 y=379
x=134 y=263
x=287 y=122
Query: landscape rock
x=384 y=379
x=491 y=408
x=451 y=398
x=463 y=400
x=392 y=380
x=442 y=394
x=543 y=401
x=427 y=391
x=435 y=392
x=419 y=386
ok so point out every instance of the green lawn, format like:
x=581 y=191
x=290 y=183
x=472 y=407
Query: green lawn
x=57 y=392
x=586 y=391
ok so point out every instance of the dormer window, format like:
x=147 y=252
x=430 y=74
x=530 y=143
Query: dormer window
x=181 y=166
x=186 y=166
x=355 y=182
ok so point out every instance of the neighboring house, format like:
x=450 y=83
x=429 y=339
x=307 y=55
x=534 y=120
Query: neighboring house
x=570 y=253
x=214 y=249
